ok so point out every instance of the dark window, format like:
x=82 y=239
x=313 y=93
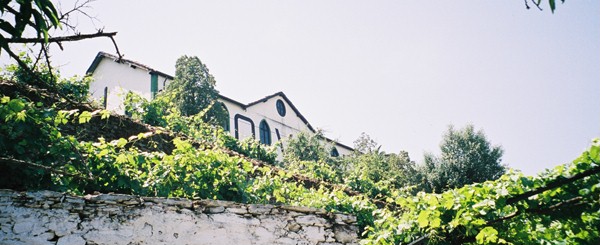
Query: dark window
x=334 y=152
x=236 y=125
x=105 y=102
x=277 y=133
x=280 y=108
x=225 y=118
x=265 y=133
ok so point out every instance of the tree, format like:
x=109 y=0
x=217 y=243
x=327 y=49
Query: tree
x=376 y=172
x=467 y=157
x=309 y=154
x=306 y=146
x=193 y=90
x=365 y=144
x=194 y=86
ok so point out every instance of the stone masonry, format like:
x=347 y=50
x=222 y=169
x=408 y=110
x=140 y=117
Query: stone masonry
x=46 y=217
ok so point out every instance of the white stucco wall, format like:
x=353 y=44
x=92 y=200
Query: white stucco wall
x=288 y=124
x=120 y=78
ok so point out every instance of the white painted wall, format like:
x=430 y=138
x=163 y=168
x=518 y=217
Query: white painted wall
x=120 y=78
x=289 y=124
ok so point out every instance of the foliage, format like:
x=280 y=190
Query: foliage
x=377 y=173
x=161 y=112
x=249 y=147
x=194 y=90
x=364 y=144
x=74 y=88
x=466 y=157
x=39 y=15
x=559 y=206
x=305 y=146
x=319 y=170
x=310 y=155
x=31 y=132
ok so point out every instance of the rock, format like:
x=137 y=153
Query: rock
x=71 y=240
x=23 y=227
x=345 y=234
x=214 y=210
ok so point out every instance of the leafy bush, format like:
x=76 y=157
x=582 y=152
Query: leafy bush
x=559 y=206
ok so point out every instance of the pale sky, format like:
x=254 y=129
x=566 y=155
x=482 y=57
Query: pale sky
x=401 y=71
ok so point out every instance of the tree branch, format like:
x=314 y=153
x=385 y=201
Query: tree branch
x=554 y=184
x=549 y=209
x=71 y=38
x=35 y=165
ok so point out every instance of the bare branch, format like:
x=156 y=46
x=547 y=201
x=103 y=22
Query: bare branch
x=117 y=48
x=77 y=8
x=71 y=38
x=47 y=56
x=554 y=184
x=35 y=165
x=537 y=5
x=65 y=18
x=549 y=209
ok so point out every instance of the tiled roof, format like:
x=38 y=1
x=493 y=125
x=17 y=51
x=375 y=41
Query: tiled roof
x=131 y=63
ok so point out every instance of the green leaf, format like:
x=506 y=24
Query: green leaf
x=595 y=152
x=432 y=201
x=21 y=116
x=487 y=235
x=423 y=219
x=552 y=5
x=102 y=153
x=49 y=10
x=121 y=142
x=121 y=158
x=4 y=99
x=16 y=105
x=85 y=117
x=435 y=223
x=104 y=114
x=448 y=202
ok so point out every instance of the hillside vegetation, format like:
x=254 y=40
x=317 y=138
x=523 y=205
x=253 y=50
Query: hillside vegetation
x=52 y=138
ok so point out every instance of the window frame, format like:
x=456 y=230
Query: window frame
x=281 y=110
x=334 y=152
x=264 y=132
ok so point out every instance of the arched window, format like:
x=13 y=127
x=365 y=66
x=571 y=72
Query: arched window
x=334 y=152
x=225 y=122
x=265 y=133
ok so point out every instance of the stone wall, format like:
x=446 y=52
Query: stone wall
x=46 y=217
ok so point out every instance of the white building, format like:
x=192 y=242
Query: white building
x=269 y=119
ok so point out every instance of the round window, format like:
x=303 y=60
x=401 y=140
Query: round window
x=280 y=108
